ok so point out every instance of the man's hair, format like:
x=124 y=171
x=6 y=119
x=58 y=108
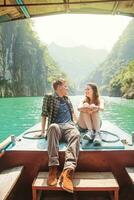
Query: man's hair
x=58 y=82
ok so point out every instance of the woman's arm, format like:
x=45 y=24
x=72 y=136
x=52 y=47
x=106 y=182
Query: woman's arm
x=80 y=106
x=83 y=107
x=95 y=108
x=100 y=107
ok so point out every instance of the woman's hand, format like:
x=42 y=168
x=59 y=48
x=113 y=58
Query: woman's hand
x=93 y=108
x=88 y=108
x=86 y=105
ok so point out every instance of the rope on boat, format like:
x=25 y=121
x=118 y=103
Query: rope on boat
x=117 y=138
x=27 y=136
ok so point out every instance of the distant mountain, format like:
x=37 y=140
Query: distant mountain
x=78 y=61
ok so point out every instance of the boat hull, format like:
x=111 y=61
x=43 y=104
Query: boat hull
x=33 y=155
x=34 y=161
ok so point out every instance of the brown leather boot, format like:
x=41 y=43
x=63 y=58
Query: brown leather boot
x=52 y=177
x=66 y=180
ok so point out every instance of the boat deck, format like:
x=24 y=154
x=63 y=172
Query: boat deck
x=32 y=154
x=124 y=143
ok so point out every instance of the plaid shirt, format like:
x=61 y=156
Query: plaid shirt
x=51 y=105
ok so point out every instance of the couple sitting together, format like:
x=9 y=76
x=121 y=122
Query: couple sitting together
x=58 y=111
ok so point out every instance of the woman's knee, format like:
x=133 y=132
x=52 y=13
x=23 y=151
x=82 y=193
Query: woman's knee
x=96 y=115
x=84 y=114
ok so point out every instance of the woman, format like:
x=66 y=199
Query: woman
x=89 y=114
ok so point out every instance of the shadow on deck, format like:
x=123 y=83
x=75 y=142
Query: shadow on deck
x=62 y=195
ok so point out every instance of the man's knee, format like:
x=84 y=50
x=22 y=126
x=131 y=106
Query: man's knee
x=53 y=128
x=76 y=134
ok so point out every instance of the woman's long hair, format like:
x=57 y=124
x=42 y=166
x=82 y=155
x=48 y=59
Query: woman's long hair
x=95 y=99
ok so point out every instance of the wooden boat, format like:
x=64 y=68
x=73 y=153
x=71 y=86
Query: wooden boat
x=32 y=154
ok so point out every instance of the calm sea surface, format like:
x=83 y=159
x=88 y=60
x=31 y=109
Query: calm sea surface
x=19 y=114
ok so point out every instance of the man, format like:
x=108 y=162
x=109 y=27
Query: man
x=59 y=111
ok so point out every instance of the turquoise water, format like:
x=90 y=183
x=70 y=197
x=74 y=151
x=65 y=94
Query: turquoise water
x=19 y=114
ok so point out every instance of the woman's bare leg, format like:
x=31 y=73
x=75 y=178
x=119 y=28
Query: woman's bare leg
x=96 y=126
x=96 y=121
x=84 y=121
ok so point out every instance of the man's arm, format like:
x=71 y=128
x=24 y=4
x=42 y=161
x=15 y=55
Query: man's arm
x=43 y=125
x=75 y=118
x=44 y=115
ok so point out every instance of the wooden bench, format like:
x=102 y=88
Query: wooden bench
x=130 y=171
x=8 y=179
x=83 y=181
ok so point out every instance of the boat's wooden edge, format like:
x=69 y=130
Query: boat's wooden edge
x=5 y=143
x=2 y=154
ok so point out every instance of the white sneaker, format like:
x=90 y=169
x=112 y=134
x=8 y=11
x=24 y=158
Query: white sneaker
x=89 y=135
x=97 y=139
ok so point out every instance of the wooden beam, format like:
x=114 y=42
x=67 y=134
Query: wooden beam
x=115 y=7
x=61 y=3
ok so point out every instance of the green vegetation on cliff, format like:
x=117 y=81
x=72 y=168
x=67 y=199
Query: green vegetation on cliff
x=117 y=60
x=26 y=68
x=123 y=83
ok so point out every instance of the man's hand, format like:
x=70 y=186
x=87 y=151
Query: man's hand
x=86 y=105
x=42 y=134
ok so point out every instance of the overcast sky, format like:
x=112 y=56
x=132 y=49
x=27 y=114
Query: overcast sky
x=94 y=31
